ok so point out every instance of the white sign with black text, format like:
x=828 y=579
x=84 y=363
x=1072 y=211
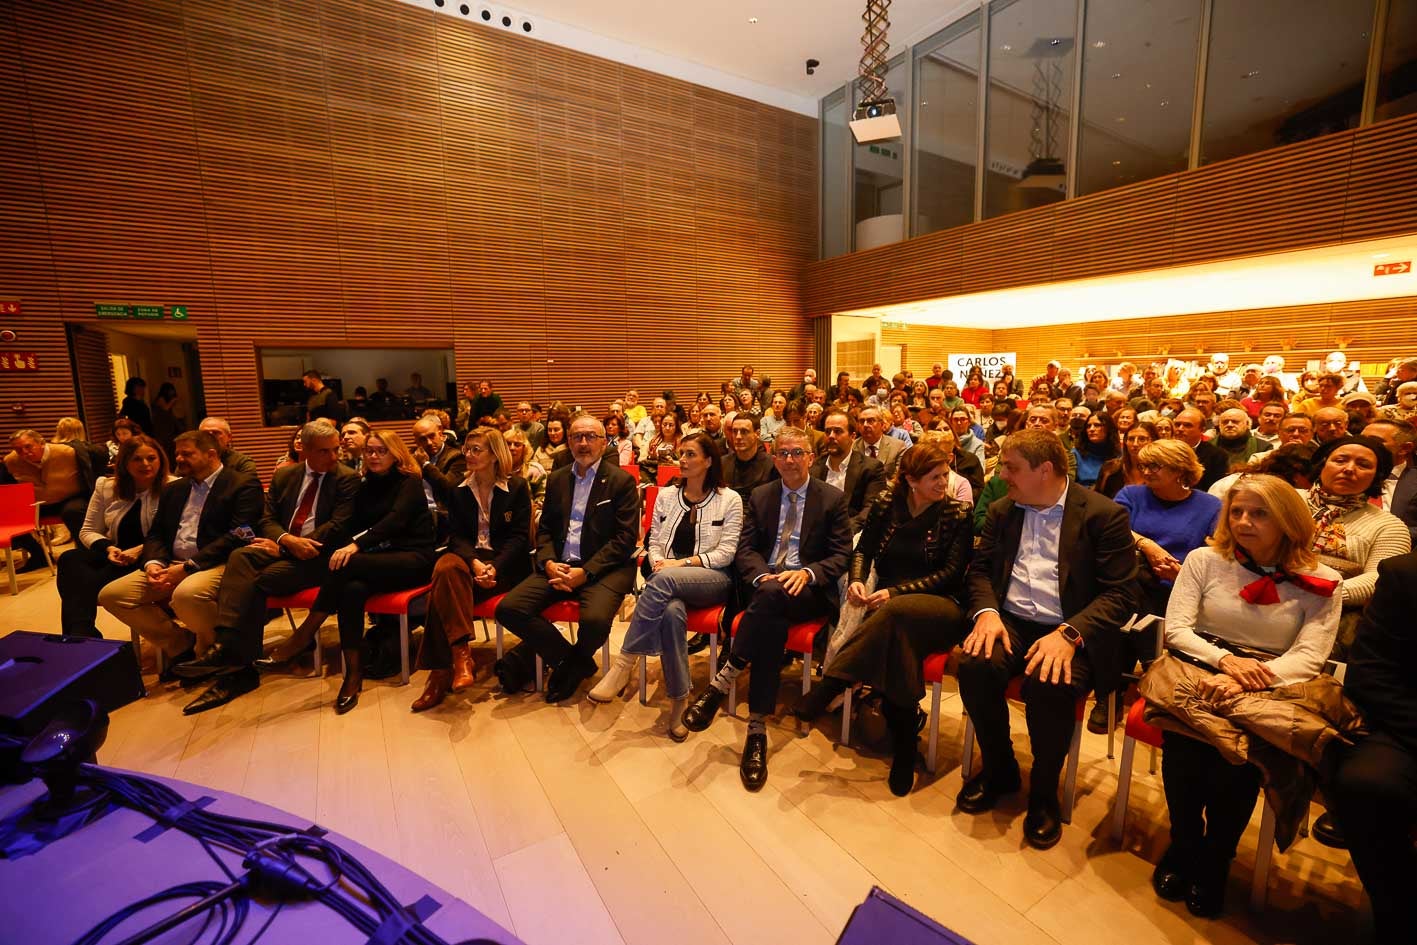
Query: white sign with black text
x=992 y=364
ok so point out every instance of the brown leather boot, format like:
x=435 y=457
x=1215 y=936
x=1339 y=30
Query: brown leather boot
x=463 y=672
x=435 y=691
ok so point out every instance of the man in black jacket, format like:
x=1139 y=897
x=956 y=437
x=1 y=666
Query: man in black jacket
x=795 y=544
x=857 y=475
x=1373 y=791
x=306 y=514
x=585 y=543
x=200 y=520
x=1052 y=582
x=230 y=457
x=1189 y=425
x=747 y=465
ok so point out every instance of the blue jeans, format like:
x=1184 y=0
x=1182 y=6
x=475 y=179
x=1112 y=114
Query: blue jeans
x=662 y=613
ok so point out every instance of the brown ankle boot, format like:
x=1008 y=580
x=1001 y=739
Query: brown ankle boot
x=435 y=691
x=463 y=673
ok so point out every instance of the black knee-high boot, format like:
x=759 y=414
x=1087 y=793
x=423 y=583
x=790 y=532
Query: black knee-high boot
x=904 y=746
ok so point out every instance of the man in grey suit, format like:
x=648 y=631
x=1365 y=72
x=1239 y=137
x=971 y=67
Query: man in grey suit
x=874 y=442
x=860 y=477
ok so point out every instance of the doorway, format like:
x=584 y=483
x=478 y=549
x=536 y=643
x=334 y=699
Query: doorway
x=105 y=355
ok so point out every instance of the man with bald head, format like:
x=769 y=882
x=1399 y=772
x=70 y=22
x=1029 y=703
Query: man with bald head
x=230 y=458
x=1234 y=437
x=585 y=544
x=1330 y=423
x=1041 y=417
x=1189 y=425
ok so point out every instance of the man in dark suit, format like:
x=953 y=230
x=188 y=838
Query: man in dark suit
x=747 y=465
x=1400 y=492
x=230 y=458
x=857 y=475
x=200 y=520
x=585 y=543
x=795 y=543
x=306 y=516
x=1190 y=425
x=874 y=442
x=1052 y=582
x=1373 y=792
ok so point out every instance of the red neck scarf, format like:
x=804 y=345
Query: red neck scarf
x=1265 y=590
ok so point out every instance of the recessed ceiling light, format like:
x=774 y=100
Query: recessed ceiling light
x=752 y=19
x=1120 y=119
x=1164 y=103
x=1116 y=163
x=1251 y=74
x=1100 y=44
x=1006 y=48
x=1116 y=75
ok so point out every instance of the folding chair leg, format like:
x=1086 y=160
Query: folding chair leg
x=1259 y=885
x=733 y=698
x=1070 y=783
x=499 y=639
x=806 y=672
x=403 y=646
x=967 y=767
x=605 y=655
x=1124 y=789
x=644 y=681
x=538 y=673
x=846 y=715
x=1111 y=725
x=10 y=569
x=713 y=655
x=934 y=727
x=1153 y=759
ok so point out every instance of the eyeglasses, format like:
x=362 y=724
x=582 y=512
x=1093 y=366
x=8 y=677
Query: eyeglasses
x=375 y=451
x=790 y=454
x=474 y=450
x=586 y=437
x=1150 y=467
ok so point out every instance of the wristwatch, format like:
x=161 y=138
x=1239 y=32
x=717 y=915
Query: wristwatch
x=189 y=566
x=1071 y=635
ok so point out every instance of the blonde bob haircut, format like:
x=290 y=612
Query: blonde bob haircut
x=497 y=444
x=394 y=443
x=1173 y=454
x=1289 y=511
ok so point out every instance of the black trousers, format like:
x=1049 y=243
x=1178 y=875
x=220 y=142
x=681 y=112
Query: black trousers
x=82 y=574
x=520 y=612
x=345 y=592
x=762 y=634
x=1210 y=800
x=1373 y=794
x=250 y=577
x=1050 y=709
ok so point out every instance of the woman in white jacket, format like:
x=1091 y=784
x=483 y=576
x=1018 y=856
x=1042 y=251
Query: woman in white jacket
x=119 y=515
x=691 y=545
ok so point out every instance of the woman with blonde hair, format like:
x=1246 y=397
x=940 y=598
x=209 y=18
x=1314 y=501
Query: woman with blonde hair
x=69 y=428
x=1253 y=610
x=520 y=451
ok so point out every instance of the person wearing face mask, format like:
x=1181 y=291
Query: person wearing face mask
x=1098 y=444
x=1234 y=438
x=908 y=573
x=1337 y=363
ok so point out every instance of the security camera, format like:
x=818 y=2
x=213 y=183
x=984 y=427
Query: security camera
x=812 y=66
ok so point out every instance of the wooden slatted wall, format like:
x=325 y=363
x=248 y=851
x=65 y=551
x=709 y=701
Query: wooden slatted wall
x=1344 y=187
x=363 y=173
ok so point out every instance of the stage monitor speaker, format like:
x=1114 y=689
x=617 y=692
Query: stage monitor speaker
x=884 y=918
x=39 y=672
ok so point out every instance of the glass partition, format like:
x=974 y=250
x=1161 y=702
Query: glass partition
x=373 y=383
x=878 y=170
x=1397 y=83
x=1138 y=85
x=1029 y=117
x=1281 y=71
x=836 y=231
x=946 y=139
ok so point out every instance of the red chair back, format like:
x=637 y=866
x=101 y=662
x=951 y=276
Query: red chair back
x=17 y=509
x=1139 y=728
x=647 y=519
x=633 y=470
x=667 y=474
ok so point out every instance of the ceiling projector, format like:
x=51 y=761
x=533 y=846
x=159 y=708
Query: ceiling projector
x=875 y=121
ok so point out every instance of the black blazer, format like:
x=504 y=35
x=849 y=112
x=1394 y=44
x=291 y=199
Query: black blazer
x=234 y=502
x=949 y=542
x=865 y=478
x=451 y=462
x=743 y=477
x=1216 y=462
x=1404 y=500
x=825 y=547
x=333 y=507
x=968 y=465
x=1380 y=679
x=611 y=527
x=391 y=514
x=509 y=522
x=1097 y=571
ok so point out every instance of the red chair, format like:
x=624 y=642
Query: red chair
x=934 y=673
x=708 y=621
x=47 y=522
x=401 y=604
x=569 y=613
x=1070 y=778
x=300 y=600
x=800 y=638
x=19 y=515
x=666 y=474
x=633 y=470
x=487 y=610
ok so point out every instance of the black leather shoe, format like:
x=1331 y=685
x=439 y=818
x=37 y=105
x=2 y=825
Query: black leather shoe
x=567 y=677
x=1325 y=830
x=225 y=689
x=814 y=704
x=220 y=660
x=697 y=643
x=343 y=703
x=170 y=673
x=1042 y=825
x=1172 y=877
x=753 y=769
x=1206 y=899
x=701 y=711
x=511 y=674
x=981 y=792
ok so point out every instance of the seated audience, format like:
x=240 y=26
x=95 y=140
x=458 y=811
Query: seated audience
x=961 y=422
x=123 y=431
x=773 y=418
x=553 y=445
x=795 y=544
x=107 y=547
x=617 y=441
x=585 y=541
x=1124 y=470
x=1233 y=437
x=1189 y=427
x=858 y=476
x=1330 y=423
x=1405 y=407
x=520 y=452
x=1267 y=425
x=1400 y=486
x=1296 y=428
x=690 y=549
x=1293 y=463
x=219 y=428
x=352 y=436
x=1099 y=444
x=662 y=448
x=1053 y=581
x=908 y=574
x=1362 y=409
x=748 y=464
x=63 y=476
x=1253 y=611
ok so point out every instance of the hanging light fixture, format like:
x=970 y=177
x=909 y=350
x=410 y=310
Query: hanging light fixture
x=875 y=118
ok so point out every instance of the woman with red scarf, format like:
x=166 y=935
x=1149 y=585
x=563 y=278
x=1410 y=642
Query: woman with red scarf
x=1255 y=610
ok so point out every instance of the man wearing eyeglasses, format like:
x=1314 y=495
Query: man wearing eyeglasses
x=307 y=511
x=795 y=543
x=585 y=543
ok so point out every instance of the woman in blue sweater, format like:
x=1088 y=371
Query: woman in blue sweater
x=1170 y=519
x=1100 y=442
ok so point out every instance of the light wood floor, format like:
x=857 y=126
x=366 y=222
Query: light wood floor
x=586 y=823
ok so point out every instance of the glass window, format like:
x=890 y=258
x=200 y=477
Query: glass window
x=878 y=192
x=1282 y=71
x=1397 y=84
x=373 y=383
x=1031 y=49
x=1138 y=83
x=836 y=233
x=946 y=127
